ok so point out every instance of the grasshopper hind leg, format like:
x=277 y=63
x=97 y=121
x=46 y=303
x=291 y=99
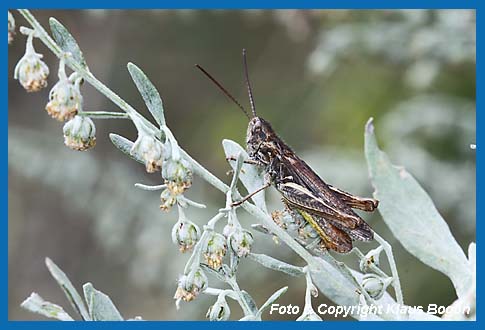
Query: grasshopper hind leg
x=332 y=237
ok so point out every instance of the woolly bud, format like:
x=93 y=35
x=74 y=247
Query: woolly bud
x=30 y=70
x=79 y=133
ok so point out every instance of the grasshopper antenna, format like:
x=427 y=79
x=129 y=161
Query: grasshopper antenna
x=248 y=84
x=218 y=84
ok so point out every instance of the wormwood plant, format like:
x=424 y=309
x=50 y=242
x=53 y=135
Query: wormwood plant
x=405 y=207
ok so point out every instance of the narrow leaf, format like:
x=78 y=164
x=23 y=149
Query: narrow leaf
x=66 y=41
x=36 y=304
x=412 y=217
x=148 y=92
x=125 y=146
x=276 y=264
x=217 y=274
x=272 y=299
x=100 y=306
x=250 y=302
x=261 y=228
x=66 y=285
x=251 y=176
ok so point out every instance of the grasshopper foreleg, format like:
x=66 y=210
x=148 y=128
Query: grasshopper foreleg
x=266 y=185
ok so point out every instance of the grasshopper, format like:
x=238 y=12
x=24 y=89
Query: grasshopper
x=328 y=209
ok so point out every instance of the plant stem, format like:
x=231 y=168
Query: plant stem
x=244 y=305
x=104 y=115
x=372 y=266
x=396 y=283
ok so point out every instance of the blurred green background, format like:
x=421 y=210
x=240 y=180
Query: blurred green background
x=317 y=77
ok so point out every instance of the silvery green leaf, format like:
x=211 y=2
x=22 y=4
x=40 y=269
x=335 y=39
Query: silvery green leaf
x=237 y=171
x=276 y=264
x=250 y=302
x=66 y=285
x=100 y=306
x=272 y=299
x=261 y=228
x=250 y=176
x=217 y=274
x=125 y=146
x=66 y=41
x=465 y=307
x=148 y=92
x=413 y=218
x=36 y=304
x=234 y=261
x=472 y=255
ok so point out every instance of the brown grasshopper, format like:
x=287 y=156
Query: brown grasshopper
x=326 y=208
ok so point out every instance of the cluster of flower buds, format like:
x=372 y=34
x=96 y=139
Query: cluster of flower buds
x=11 y=27
x=65 y=99
x=79 y=133
x=30 y=70
x=190 y=286
x=220 y=311
x=215 y=250
x=375 y=285
x=178 y=175
x=178 y=178
x=175 y=171
x=185 y=234
x=240 y=241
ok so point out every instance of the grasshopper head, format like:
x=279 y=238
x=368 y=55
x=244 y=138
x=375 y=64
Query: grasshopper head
x=259 y=139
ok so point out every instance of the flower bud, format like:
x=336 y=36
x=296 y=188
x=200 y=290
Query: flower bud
x=65 y=99
x=220 y=311
x=150 y=150
x=185 y=234
x=375 y=285
x=371 y=258
x=228 y=230
x=31 y=71
x=216 y=249
x=241 y=241
x=11 y=27
x=167 y=199
x=79 y=133
x=179 y=174
x=189 y=288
